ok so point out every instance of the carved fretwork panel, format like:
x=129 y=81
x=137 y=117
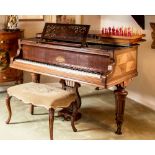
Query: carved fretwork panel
x=65 y=32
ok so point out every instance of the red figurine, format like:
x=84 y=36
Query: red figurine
x=106 y=31
x=129 y=31
x=117 y=32
x=125 y=31
x=109 y=30
x=121 y=31
x=103 y=31
x=113 y=31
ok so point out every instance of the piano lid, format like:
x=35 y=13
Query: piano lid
x=74 y=33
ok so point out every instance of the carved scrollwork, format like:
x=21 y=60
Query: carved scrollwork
x=66 y=32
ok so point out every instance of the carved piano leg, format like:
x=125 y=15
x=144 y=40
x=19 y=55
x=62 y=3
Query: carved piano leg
x=66 y=113
x=120 y=97
x=75 y=88
x=19 y=79
x=35 y=77
x=63 y=83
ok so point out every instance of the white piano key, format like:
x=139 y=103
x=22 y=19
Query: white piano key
x=66 y=70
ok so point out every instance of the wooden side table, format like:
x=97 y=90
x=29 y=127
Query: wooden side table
x=9 y=42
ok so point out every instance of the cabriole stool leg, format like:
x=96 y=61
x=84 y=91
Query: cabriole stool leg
x=75 y=110
x=8 y=98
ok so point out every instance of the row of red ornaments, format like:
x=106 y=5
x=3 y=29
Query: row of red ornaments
x=120 y=31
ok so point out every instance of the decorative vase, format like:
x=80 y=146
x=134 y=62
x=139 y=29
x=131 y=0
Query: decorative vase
x=12 y=22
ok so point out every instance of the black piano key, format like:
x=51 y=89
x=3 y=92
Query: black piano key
x=69 y=67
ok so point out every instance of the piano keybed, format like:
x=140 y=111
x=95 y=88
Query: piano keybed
x=59 y=72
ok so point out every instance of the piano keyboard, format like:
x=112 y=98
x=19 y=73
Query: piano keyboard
x=58 y=68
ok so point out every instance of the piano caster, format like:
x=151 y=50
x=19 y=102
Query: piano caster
x=120 y=97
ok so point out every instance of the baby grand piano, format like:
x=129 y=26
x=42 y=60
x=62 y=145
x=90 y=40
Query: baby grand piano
x=63 y=52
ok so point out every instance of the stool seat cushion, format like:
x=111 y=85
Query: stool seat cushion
x=42 y=95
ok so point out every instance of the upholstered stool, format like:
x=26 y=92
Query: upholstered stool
x=43 y=95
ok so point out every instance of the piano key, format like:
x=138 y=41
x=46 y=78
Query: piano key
x=82 y=73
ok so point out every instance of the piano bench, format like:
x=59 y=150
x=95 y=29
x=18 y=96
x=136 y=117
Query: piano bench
x=43 y=95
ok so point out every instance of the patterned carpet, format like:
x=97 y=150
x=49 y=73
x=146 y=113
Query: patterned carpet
x=97 y=122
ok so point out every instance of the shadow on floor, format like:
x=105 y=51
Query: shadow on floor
x=105 y=118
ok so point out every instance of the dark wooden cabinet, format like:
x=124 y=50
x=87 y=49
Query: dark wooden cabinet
x=9 y=43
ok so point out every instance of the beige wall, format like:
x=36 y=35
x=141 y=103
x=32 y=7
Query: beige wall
x=118 y=21
x=3 y=20
x=33 y=27
x=142 y=88
x=93 y=20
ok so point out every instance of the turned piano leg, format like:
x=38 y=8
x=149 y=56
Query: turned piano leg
x=120 y=97
x=35 y=77
x=66 y=113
